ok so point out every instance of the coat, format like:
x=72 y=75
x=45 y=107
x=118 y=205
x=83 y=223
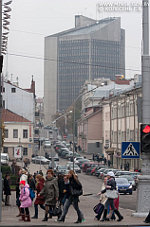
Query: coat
x=50 y=191
x=39 y=198
x=6 y=187
x=25 y=197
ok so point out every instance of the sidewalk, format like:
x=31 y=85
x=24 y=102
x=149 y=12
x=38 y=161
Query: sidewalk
x=9 y=216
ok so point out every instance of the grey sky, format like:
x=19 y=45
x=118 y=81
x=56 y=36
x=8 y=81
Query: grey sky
x=32 y=20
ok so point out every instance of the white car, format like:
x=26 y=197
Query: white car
x=40 y=159
x=78 y=158
x=47 y=144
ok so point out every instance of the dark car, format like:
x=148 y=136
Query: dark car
x=124 y=186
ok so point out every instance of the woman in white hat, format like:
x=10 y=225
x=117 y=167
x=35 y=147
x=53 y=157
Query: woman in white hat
x=110 y=186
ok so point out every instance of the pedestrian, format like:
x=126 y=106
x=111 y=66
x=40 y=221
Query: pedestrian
x=50 y=192
x=110 y=186
x=41 y=173
x=39 y=199
x=102 y=200
x=25 y=200
x=75 y=190
x=23 y=175
x=7 y=191
x=18 y=195
x=65 y=189
x=60 y=178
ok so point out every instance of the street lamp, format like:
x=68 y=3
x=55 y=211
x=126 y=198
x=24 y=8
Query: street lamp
x=74 y=117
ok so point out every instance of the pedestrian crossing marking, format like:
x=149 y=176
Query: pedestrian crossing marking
x=130 y=151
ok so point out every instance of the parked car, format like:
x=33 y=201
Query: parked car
x=47 y=144
x=131 y=180
x=53 y=165
x=122 y=172
x=40 y=159
x=76 y=168
x=4 y=159
x=61 y=169
x=101 y=172
x=123 y=185
x=81 y=161
x=54 y=157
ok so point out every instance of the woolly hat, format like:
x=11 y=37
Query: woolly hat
x=111 y=174
x=22 y=182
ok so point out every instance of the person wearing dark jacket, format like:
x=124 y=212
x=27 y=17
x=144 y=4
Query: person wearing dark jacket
x=39 y=199
x=75 y=190
x=7 y=191
x=111 y=185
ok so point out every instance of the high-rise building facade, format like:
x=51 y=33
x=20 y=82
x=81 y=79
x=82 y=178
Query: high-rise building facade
x=92 y=49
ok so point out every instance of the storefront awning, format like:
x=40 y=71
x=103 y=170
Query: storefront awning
x=110 y=151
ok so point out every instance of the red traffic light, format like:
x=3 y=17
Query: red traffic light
x=146 y=129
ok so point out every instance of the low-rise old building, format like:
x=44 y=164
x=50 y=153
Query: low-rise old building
x=18 y=133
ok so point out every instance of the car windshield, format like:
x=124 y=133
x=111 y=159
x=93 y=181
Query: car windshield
x=129 y=178
x=3 y=157
x=121 y=181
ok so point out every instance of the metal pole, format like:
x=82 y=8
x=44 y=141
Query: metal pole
x=74 y=108
x=0 y=115
x=143 y=200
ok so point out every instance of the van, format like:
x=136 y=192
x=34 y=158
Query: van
x=4 y=159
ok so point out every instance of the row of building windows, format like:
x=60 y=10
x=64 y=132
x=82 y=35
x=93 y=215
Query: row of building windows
x=126 y=109
x=13 y=89
x=129 y=135
x=15 y=133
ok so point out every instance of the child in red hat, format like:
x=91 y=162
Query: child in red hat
x=25 y=200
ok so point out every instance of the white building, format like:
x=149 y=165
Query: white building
x=18 y=132
x=18 y=100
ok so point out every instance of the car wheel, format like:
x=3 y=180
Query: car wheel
x=130 y=193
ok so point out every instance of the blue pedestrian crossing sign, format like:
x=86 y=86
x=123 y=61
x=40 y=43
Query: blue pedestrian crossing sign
x=130 y=150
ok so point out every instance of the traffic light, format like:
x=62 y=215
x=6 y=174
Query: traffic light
x=145 y=138
x=3 y=133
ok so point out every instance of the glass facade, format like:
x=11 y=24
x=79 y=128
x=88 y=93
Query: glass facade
x=83 y=59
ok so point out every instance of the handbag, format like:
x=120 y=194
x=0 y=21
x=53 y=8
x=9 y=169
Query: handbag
x=98 y=208
x=112 y=194
x=57 y=211
x=76 y=192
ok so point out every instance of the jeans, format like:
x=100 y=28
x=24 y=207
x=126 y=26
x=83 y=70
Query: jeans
x=36 y=209
x=74 y=202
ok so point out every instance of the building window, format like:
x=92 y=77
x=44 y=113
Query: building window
x=25 y=133
x=4 y=104
x=25 y=151
x=97 y=144
x=13 y=90
x=5 y=149
x=6 y=133
x=15 y=133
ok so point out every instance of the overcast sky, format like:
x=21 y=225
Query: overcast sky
x=32 y=20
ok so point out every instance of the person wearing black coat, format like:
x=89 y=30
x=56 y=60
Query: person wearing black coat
x=75 y=190
x=7 y=191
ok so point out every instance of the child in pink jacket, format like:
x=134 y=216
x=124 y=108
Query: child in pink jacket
x=25 y=200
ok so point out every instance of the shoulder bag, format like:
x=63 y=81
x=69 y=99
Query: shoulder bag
x=112 y=194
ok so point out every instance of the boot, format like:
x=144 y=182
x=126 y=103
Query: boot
x=104 y=215
x=45 y=218
x=61 y=219
x=22 y=217
x=120 y=217
x=19 y=213
x=28 y=218
x=147 y=219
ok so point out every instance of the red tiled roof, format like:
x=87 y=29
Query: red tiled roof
x=8 y=116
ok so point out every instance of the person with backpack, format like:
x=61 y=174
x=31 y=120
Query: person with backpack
x=25 y=200
x=75 y=190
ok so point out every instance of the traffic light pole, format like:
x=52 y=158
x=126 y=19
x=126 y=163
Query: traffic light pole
x=143 y=194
